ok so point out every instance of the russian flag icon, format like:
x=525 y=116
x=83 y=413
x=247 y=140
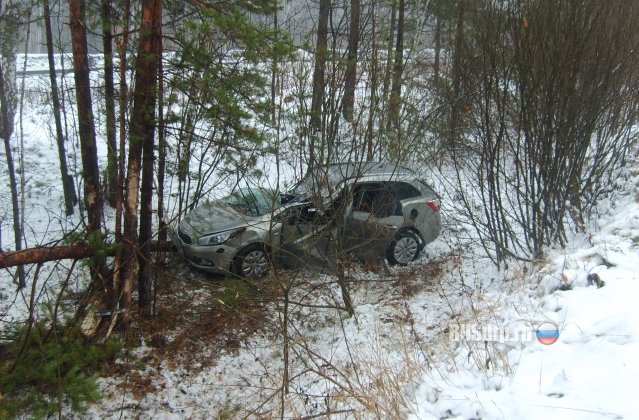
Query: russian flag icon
x=547 y=333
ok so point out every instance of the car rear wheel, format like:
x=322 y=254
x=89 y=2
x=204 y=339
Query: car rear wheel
x=252 y=262
x=403 y=249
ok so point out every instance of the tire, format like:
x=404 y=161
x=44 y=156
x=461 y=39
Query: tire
x=403 y=249
x=252 y=262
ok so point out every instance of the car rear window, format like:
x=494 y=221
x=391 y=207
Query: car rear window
x=427 y=190
x=404 y=190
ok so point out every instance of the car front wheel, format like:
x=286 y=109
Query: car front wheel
x=252 y=262
x=403 y=249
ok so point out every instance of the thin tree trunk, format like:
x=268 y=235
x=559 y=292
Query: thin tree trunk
x=141 y=133
x=398 y=69
x=454 y=109
x=350 y=78
x=162 y=233
x=5 y=132
x=388 y=70
x=145 y=282
x=122 y=45
x=374 y=98
x=86 y=127
x=10 y=26
x=274 y=73
x=438 y=47
x=317 y=102
x=88 y=152
x=122 y=107
x=68 y=187
x=109 y=105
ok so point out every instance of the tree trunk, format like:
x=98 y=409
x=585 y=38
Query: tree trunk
x=10 y=35
x=141 y=134
x=374 y=98
x=438 y=47
x=122 y=44
x=88 y=152
x=456 y=102
x=86 y=127
x=162 y=233
x=317 y=102
x=274 y=73
x=109 y=104
x=350 y=78
x=398 y=69
x=122 y=107
x=6 y=129
x=388 y=70
x=145 y=283
x=43 y=254
x=68 y=186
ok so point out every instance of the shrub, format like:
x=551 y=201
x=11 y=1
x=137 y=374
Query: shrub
x=45 y=369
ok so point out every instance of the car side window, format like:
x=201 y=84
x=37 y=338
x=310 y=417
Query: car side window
x=363 y=198
x=376 y=198
x=405 y=190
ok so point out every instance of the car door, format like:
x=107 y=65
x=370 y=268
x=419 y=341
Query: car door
x=304 y=236
x=375 y=216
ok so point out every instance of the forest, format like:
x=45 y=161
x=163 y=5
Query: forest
x=119 y=118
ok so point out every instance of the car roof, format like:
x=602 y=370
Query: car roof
x=342 y=171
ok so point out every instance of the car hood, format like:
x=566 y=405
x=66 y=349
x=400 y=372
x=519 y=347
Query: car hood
x=212 y=217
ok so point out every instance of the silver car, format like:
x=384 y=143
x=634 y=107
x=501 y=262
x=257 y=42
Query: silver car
x=367 y=210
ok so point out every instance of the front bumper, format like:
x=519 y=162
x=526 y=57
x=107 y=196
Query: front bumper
x=216 y=259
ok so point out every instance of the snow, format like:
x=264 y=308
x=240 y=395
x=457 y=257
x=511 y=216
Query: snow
x=592 y=371
x=395 y=358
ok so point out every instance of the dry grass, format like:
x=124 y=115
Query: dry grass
x=196 y=312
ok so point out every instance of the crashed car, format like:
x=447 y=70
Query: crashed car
x=368 y=210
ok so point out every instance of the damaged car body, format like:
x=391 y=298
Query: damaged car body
x=369 y=210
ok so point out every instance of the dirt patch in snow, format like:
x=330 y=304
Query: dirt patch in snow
x=196 y=312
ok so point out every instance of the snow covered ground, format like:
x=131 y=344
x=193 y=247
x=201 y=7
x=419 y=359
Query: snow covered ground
x=413 y=346
x=399 y=356
x=591 y=372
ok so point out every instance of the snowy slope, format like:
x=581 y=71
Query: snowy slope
x=592 y=371
x=395 y=358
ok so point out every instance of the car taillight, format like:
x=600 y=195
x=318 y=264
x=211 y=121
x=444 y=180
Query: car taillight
x=433 y=204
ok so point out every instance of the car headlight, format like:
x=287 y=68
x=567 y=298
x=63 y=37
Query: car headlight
x=216 y=238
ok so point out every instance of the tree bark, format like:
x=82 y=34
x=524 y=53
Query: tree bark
x=162 y=232
x=274 y=73
x=398 y=69
x=145 y=283
x=109 y=104
x=40 y=255
x=68 y=186
x=457 y=78
x=372 y=110
x=86 y=127
x=141 y=134
x=88 y=151
x=10 y=30
x=438 y=47
x=317 y=102
x=6 y=129
x=350 y=78
x=388 y=71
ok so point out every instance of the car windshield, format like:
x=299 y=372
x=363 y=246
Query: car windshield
x=311 y=186
x=253 y=201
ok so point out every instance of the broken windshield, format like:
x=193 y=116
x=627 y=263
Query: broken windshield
x=253 y=201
